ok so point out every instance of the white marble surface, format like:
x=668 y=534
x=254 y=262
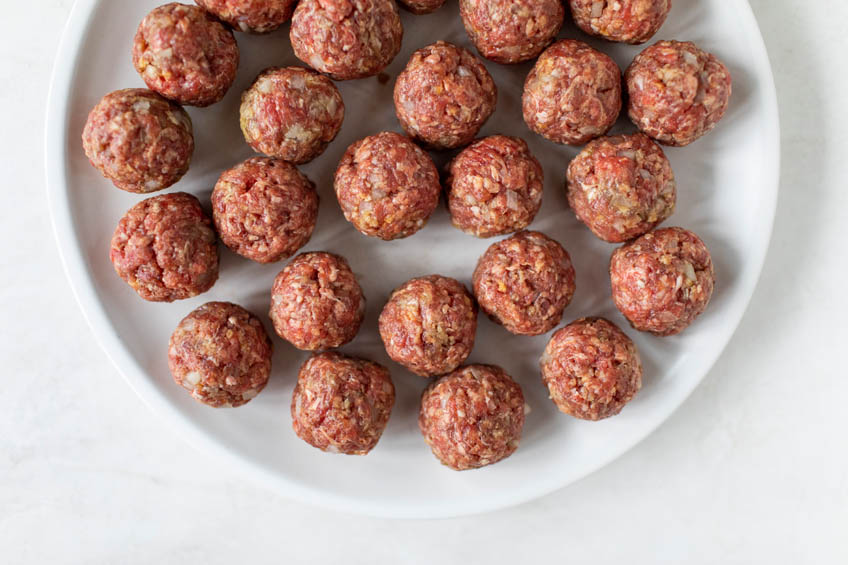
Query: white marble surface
x=753 y=468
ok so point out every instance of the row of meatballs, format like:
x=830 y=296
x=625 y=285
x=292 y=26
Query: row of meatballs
x=143 y=142
x=471 y=415
x=265 y=209
x=188 y=54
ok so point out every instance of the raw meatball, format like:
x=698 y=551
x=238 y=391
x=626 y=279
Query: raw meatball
x=387 y=186
x=662 y=281
x=264 y=209
x=591 y=368
x=573 y=94
x=511 y=31
x=494 y=187
x=428 y=325
x=165 y=249
x=628 y=21
x=444 y=96
x=346 y=39
x=621 y=186
x=291 y=113
x=185 y=54
x=472 y=417
x=138 y=140
x=342 y=404
x=316 y=302
x=421 y=6
x=253 y=16
x=677 y=92
x=524 y=282
x=221 y=354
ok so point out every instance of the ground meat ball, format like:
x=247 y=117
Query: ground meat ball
x=591 y=368
x=511 y=31
x=525 y=282
x=422 y=6
x=264 y=209
x=342 y=404
x=621 y=187
x=346 y=39
x=662 y=281
x=677 y=92
x=221 y=354
x=316 y=302
x=573 y=94
x=253 y=16
x=628 y=21
x=138 y=140
x=291 y=113
x=428 y=325
x=472 y=417
x=165 y=249
x=387 y=186
x=444 y=96
x=185 y=54
x=494 y=187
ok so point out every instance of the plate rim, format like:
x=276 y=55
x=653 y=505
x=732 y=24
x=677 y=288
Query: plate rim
x=82 y=286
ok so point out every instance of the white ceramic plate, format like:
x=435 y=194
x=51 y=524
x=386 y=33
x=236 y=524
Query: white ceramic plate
x=727 y=185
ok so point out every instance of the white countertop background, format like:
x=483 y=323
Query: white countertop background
x=752 y=469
